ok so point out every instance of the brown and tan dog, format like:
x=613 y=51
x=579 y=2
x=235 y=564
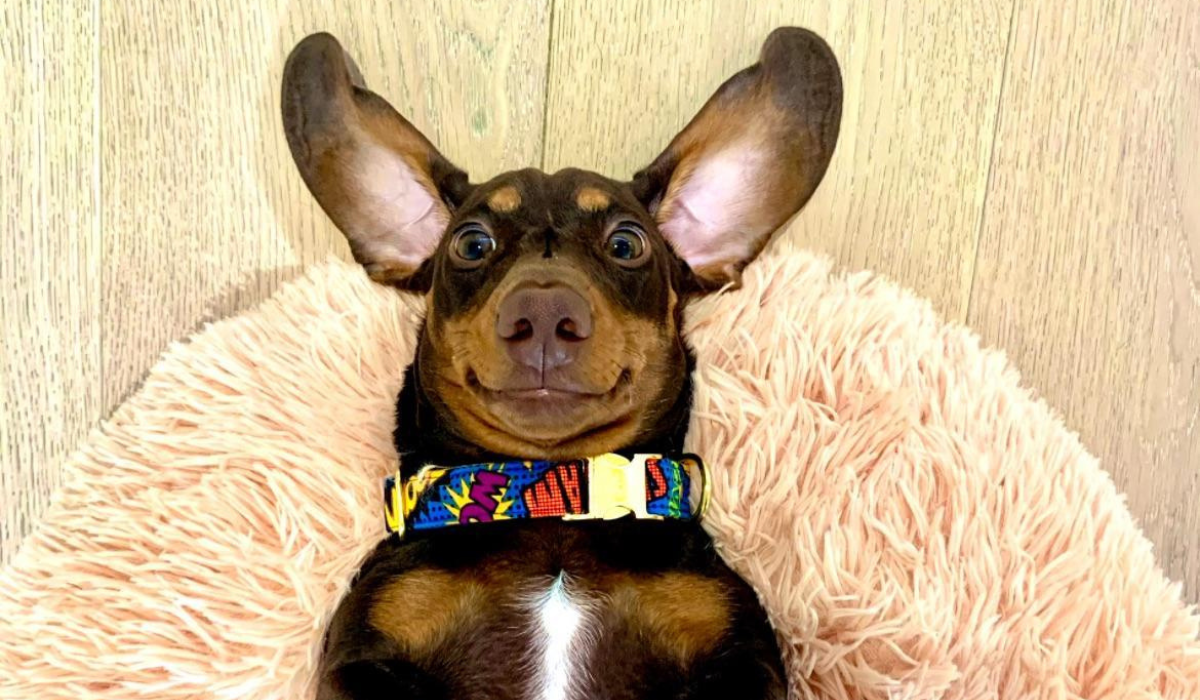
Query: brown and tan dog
x=554 y=331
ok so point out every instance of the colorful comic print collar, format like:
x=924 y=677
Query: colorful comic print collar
x=647 y=487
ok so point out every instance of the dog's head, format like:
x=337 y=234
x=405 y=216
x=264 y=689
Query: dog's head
x=554 y=301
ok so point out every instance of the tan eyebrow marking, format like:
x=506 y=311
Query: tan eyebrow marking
x=592 y=199
x=504 y=199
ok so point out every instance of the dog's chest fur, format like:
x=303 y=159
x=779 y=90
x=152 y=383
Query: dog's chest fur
x=562 y=620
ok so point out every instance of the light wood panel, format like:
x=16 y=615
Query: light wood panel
x=904 y=193
x=1089 y=261
x=49 y=251
x=204 y=213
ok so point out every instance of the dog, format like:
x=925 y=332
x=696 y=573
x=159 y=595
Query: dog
x=546 y=540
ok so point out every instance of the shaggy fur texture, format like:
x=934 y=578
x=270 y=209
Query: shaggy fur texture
x=919 y=526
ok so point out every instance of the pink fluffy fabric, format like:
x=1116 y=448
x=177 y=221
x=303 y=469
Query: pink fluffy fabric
x=917 y=524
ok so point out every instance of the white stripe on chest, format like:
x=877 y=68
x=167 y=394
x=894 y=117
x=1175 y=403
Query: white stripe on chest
x=559 y=621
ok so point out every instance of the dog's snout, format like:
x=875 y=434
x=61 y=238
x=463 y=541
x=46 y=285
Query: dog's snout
x=544 y=327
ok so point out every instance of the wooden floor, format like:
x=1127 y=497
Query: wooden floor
x=1032 y=167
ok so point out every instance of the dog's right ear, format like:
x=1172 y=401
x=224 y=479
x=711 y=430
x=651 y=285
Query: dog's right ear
x=378 y=178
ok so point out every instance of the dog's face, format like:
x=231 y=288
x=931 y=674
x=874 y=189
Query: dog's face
x=554 y=301
x=553 y=316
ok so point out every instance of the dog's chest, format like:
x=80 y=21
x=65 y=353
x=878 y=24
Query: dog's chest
x=576 y=636
x=549 y=611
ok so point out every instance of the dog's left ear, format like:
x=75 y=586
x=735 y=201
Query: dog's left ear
x=750 y=159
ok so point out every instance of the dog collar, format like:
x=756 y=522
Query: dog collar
x=648 y=487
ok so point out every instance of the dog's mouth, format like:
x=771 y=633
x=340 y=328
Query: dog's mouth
x=552 y=412
x=546 y=392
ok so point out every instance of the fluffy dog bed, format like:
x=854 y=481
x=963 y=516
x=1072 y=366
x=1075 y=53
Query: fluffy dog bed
x=918 y=525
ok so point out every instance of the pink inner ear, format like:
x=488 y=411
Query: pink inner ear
x=711 y=217
x=403 y=220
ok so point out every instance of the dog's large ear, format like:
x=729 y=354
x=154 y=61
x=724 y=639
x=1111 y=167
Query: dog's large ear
x=380 y=181
x=750 y=159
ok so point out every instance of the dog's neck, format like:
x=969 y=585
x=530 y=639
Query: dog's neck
x=424 y=435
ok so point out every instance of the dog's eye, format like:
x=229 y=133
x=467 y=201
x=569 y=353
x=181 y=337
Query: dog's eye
x=627 y=244
x=472 y=245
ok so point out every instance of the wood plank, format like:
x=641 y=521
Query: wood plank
x=1089 y=259
x=204 y=213
x=905 y=191
x=49 y=252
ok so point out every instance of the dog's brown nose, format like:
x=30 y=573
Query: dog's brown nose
x=544 y=327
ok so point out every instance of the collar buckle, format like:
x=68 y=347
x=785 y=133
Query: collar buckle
x=616 y=488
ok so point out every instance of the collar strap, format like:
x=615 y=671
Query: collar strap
x=649 y=487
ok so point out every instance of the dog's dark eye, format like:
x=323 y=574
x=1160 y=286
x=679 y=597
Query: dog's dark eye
x=472 y=245
x=627 y=244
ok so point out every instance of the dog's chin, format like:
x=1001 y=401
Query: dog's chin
x=557 y=422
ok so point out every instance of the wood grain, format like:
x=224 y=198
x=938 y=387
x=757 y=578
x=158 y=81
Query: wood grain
x=204 y=212
x=1089 y=260
x=49 y=252
x=904 y=193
